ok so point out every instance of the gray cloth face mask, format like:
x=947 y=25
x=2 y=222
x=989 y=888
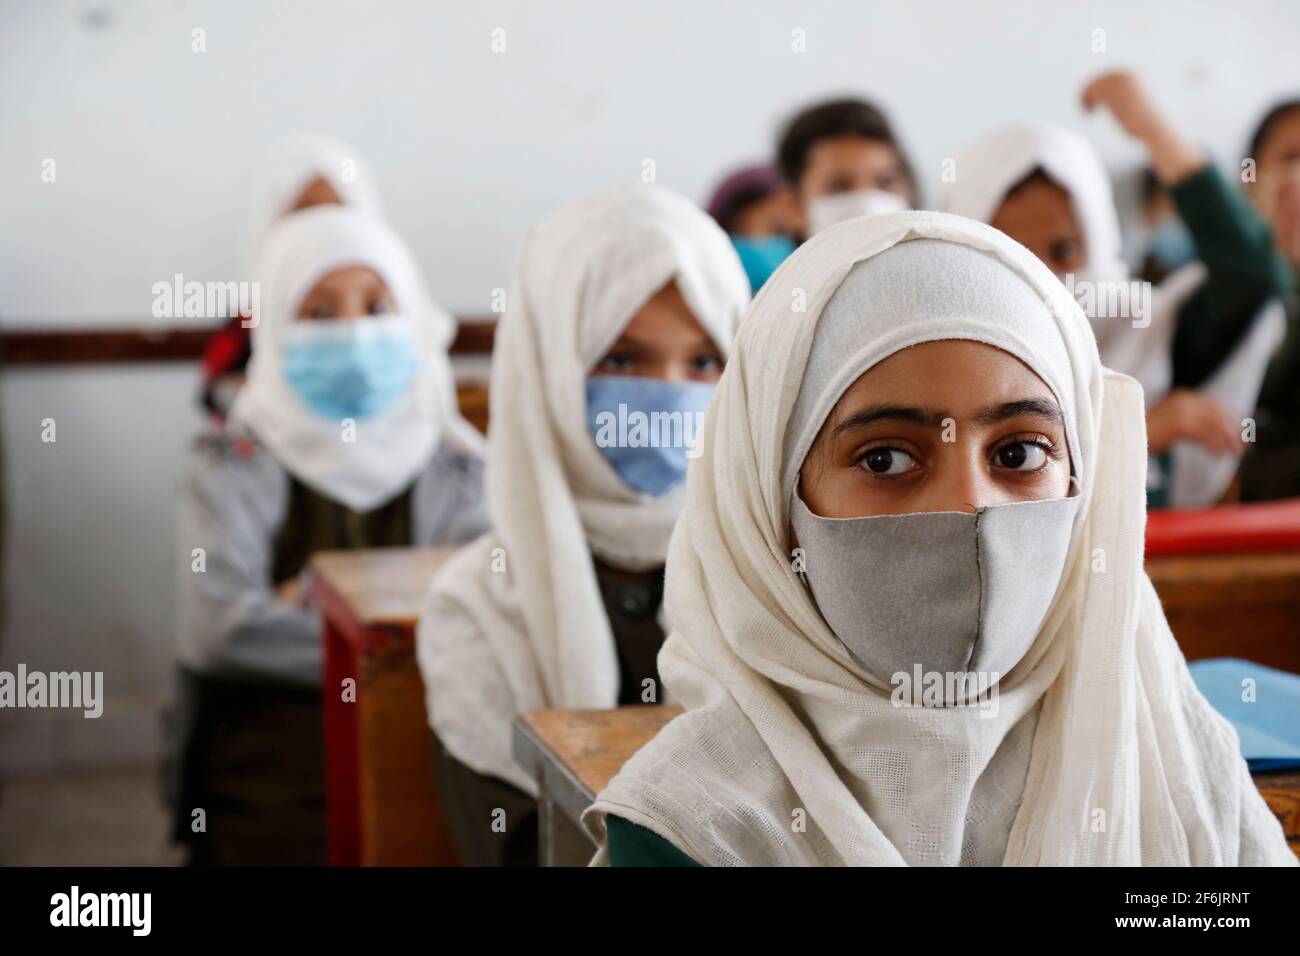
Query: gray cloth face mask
x=946 y=592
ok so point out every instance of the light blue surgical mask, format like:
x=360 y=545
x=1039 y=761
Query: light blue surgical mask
x=1172 y=244
x=760 y=255
x=350 y=368
x=647 y=428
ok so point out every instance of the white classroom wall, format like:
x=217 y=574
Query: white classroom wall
x=154 y=146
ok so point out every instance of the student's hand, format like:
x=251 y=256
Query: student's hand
x=1125 y=97
x=290 y=592
x=1187 y=415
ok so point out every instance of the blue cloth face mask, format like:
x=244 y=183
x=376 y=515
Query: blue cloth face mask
x=350 y=368
x=760 y=255
x=646 y=428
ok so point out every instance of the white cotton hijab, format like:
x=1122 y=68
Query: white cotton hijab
x=287 y=169
x=515 y=621
x=988 y=170
x=1101 y=750
x=390 y=448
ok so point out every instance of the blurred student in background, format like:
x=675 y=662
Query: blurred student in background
x=1271 y=467
x=346 y=435
x=620 y=318
x=756 y=208
x=843 y=160
x=300 y=172
x=1201 y=352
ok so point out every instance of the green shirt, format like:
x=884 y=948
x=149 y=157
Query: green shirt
x=1243 y=272
x=634 y=845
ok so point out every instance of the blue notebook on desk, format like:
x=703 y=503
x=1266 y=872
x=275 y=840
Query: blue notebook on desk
x=1269 y=726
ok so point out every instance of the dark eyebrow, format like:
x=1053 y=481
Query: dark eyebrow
x=890 y=413
x=1038 y=407
x=873 y=414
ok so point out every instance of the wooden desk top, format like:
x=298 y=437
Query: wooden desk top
x=1262 y=569
x=579 y=751
x=575 y=753
x=381 y=586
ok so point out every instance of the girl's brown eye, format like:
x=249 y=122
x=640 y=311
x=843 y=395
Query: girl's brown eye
x=617 y=361
x=887 y=461
x=320 y=312
x=1063 y=251
x=380 y=307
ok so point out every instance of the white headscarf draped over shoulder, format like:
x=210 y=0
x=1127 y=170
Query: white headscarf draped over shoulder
x=391 y=447
x=290 y=166
x=989 y=169
x=790 y=754
x=515 y=621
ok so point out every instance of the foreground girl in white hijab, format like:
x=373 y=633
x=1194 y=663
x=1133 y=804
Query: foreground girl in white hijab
x=916 y=473
x=1201 y=344
x=623 y=308
x=346 y=435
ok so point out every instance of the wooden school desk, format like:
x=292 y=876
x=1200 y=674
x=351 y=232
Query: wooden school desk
x=380 y=799
x=574 y=753
x=1229 y=580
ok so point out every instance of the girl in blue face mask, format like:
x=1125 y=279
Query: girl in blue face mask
x=758 y=211
x=618 y=324
x=345 y=435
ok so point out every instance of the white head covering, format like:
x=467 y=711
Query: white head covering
x=392 y=446
x=492 y=645
x=1101 y=750
x=294 y=162
x=989 y=168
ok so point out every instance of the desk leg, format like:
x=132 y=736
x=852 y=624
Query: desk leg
x=342 y=770
x=563 y=842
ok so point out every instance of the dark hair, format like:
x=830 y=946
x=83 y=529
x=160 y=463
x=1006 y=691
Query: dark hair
x=845 y=117
x=729 y=211
x=1266 y=126
x=1151 y=185
x=1036 y=175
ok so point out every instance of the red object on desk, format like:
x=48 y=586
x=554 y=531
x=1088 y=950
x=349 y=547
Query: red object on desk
x=1227 y=529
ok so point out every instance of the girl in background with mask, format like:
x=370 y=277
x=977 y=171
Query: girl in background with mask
x=301 y=172
x=1201 y=349
x=843 y=160
x=910 y=621
x=622 y=311
x=757 y=210
x=346 y=435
